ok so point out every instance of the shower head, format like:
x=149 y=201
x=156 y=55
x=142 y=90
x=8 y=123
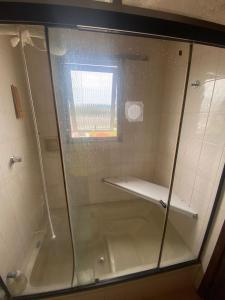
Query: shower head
x=27 y=35
x=14 y=41
x=26 y=38
x=22 y=36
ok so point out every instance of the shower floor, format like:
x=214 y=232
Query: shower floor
x=120 y=238
x=111 y=239
x=50 y=265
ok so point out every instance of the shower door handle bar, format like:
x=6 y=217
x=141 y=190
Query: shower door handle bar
x=163 y=203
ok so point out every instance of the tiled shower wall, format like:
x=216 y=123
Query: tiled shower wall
x=173 y=83
x=21 y=196
x=135 y=153
x=148 y=158
x=201 y=153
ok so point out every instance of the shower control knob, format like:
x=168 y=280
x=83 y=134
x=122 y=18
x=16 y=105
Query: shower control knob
x=14 y=159
x=101 y=259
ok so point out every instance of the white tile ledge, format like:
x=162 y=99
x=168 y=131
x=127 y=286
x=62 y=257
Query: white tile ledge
x=151 y=192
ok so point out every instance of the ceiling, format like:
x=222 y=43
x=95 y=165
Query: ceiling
x=209 y=10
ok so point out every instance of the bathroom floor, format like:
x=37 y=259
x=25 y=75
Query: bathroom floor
x=111 y=239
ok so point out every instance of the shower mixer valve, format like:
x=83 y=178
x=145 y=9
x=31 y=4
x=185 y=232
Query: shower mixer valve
x=101 y=259
x=14 y=159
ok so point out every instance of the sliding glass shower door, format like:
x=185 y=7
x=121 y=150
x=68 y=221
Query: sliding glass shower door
x=119 y=102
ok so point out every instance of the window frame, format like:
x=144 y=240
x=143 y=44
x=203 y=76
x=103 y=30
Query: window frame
x=116 y=96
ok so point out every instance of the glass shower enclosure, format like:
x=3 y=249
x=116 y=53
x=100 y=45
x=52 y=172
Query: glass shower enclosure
x=109 y=92
x=128 y=136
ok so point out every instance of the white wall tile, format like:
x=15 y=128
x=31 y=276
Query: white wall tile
x=209 y=160
x=215 y=130
x=134 y=154
x=218 y=101
x=202 y=143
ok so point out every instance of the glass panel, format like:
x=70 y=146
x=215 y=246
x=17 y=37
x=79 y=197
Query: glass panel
x=118 y=188
x=35 y=244
x=201 y=153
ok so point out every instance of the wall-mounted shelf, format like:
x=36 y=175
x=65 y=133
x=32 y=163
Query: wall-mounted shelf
x=149 y=191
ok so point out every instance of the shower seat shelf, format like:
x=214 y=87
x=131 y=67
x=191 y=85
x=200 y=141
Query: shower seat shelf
x=150 y=191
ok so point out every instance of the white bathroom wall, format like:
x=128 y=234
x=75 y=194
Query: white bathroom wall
x=146 y=149
x=21 y=195
x=201 y=153
x=214 y=231
x=210 y=10
x=135 y=153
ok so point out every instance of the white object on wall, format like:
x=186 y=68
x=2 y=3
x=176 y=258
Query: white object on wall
x=134 y=111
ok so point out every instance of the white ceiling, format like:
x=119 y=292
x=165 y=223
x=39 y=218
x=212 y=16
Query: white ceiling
x=210 y=10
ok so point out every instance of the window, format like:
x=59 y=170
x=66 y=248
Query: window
x=93 y=103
